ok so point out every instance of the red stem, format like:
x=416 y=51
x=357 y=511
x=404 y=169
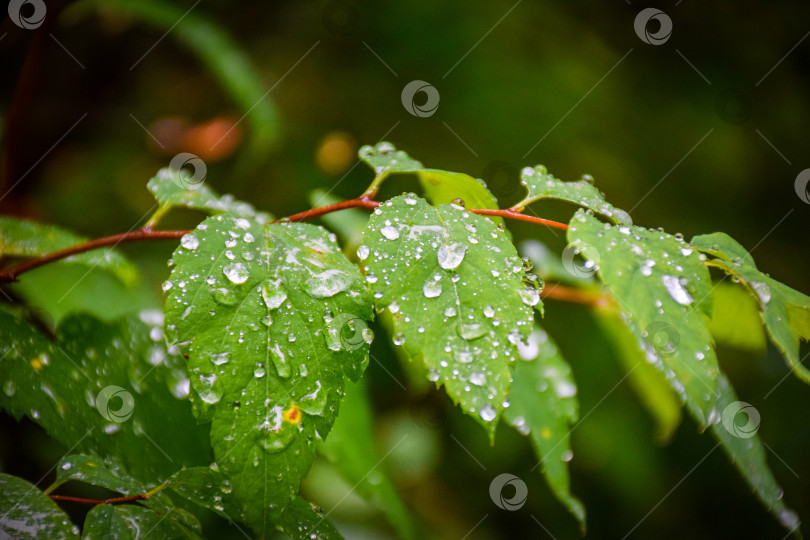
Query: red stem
x=360 y=202
x=93 y=502
x=11 y=274
x=513 y=214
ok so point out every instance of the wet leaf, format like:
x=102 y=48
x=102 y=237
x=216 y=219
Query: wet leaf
x=664 y=293
x=27 y=513
x=540 y=184
x=441 y=187
x=133 y=522
x=272 y=318
x=21 y=238
x=544 y=406
x=177 y=188
x=453 y=284
x=110 y=389
x=785 y=311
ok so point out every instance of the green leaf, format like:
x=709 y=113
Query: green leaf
x=26 y=512
x=107 y=473
x=650 y=385
x=746 y=452
x=102 y=388
x=55 y=291
x=300 y=520
x=20 y=238
x=173 y=188
x=132 y=522
x=543 y=405
x=351 y=448
x=453 y=282
x=785 y=311
x=541 y=185
x=736 y=319
x=664 y=292
x=207 y=487
x=441 y=187
x=272 y=320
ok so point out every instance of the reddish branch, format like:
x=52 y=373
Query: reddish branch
x=360 y=202
x=11 y=274
x=94 y=502
x=512 y=214
x=556 y=291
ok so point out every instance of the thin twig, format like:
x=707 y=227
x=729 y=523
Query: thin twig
x=11 y=274
x=94 y=502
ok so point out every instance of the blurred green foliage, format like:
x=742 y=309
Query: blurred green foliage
x=705 y=132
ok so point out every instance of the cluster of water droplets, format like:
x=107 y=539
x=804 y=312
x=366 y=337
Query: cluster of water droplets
x=456 y=290
x=540 y=184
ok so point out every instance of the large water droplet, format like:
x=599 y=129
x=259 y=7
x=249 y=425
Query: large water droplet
x=362 y=252
x=762 y=290
x=327 y=283
x=390 y=232
x=273 y=293
x=206 y=389
x=224 y=296
x=451 y=255
x=646 y=267
x=471 y=330
x=488 y=413
x=675 y=288
x=478 y=379
x=529 y=296
x=190 y=242
x=432 y=289
x=236 y=272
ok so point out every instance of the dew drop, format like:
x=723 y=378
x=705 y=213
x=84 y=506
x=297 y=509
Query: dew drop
x=273 y=293
x=362 y=252
x=236 y=272
x=189 y=242
x=327 y=283
x=488 y=413
x=676 y=290
x=391 y=233
x=432 y=289
x=451 y=255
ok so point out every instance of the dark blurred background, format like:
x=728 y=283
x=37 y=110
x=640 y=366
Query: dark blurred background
x=706 y=131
